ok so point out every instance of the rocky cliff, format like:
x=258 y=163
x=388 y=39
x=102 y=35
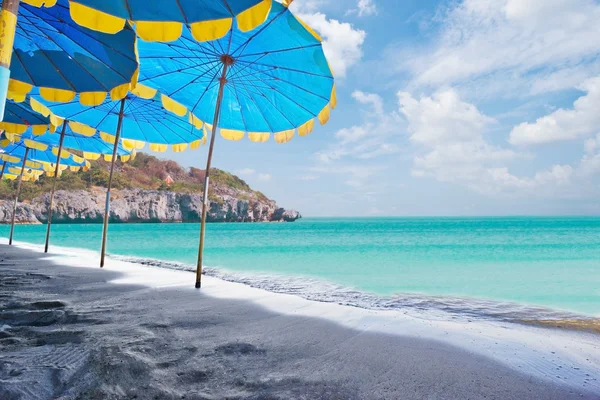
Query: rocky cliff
x=145 y=189
x=137 y=205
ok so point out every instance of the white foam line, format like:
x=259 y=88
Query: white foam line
x=566 y=357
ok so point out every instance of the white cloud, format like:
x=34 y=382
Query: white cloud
x=264 y=177
x=582 y=120
x=508 y=47
x=375 y=137
x=246 y=172
x=364 y=8
x=342 y=43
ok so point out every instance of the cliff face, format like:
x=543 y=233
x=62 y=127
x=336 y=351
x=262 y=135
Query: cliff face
x=137 y=205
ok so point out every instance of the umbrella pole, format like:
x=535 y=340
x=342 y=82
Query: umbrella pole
x=3 y=168
x=12 y=223
x=205 y=202
x=56 y=170
x=8 y=25
x=112 y=167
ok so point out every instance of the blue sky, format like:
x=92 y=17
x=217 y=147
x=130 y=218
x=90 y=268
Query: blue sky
x=472 y=107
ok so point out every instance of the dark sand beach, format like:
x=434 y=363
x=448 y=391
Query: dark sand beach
x=67 y=333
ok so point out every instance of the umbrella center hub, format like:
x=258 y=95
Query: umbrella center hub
x=227 y=59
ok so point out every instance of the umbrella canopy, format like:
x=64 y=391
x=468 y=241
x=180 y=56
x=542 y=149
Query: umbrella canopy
x=19 y=117
x=277 y=77
x=274 y=80
x=141 y=116
x=60 y=57
x=162 y=20
x=148 y=117
x=42 y=153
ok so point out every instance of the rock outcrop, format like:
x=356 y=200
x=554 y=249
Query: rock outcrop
x=137 y=205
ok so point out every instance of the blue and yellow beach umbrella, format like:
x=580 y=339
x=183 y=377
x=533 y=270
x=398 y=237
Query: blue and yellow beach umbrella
x=274 y=81
x=33 y=156
x=143 y=116
x=45 y=48
x=163 y=20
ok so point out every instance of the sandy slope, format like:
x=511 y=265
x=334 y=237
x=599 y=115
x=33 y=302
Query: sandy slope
x=67 y=333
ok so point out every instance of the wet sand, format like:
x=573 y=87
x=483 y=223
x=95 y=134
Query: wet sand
x=69 y=333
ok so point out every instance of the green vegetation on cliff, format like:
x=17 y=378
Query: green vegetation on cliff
x=144 y=172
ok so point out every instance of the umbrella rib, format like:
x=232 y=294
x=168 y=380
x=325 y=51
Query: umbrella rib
x=272 y=105
x=255 y=62
x=249 y=95
x=289 y=83
x=77 y=28
x=241 y=108
x=194 y=80
x=258 y=31
x=310 y=46
x=43 y=52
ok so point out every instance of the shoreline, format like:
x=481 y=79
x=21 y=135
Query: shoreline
x=557 y=357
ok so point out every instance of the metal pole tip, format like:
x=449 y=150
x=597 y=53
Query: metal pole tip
x=198 y=285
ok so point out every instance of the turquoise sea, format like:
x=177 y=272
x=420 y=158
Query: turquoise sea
x=492 y=266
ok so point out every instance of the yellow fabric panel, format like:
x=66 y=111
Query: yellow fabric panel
x=63 y=154
x=324 y=115
x=74 y=168
x=254 y=16
x=35 y=145
x=9 y=127
x=33 y=164
x=107 y=157
x=10 y=159
x=57 y=95
x=107 y=137
x=48 y=167
x=90 y=156
x=306 y=128
x=91 y=99
x=10 y=177
x=10 y=136
x=63 y=167
x=158 y=31
x=259 y=137
x=210 y=30
x=287 y=3
x=39 y=107
x=231 y=134
x=18 y=87
x=309 y=29
x=204 y=139
x=160 y=148
x=192 y=119
x=333 y=101
x=171 y=105
x=39 y=3
x=82 y=129
x=39 y=129
x=94 y=19
x=284 y=136
x=178 y=148
x=4 y=143
x=9 y=24
x=143 y=91
x=15 y=170
x=127 y=144
x=16 y=97
x=26 y=178
x=78 y=159
x=56 y=121
x=50 y=174
x=120 y=92
x=133 y=154
x=195 y=144
x=125 y=158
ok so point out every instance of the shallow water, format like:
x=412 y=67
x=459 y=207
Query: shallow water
x=517 y=268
